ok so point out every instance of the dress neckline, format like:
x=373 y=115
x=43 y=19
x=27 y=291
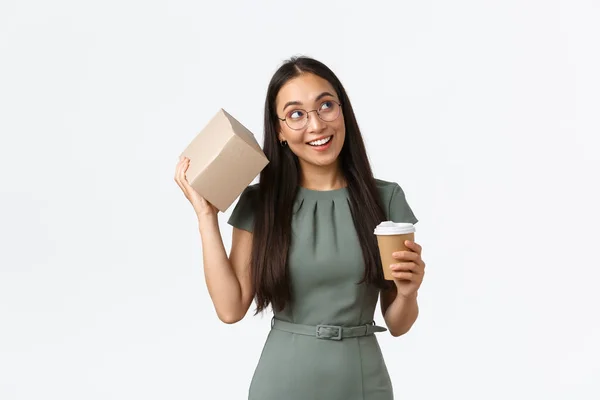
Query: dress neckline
x=323 y=194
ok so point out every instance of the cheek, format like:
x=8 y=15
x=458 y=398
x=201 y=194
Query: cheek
x=294 y=139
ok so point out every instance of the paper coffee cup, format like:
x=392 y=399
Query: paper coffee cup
x=390 y=238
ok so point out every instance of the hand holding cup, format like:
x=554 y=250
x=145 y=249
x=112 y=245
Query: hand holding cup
x=400 y=256
x=409 y=271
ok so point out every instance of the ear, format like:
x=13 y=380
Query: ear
x=280 y=137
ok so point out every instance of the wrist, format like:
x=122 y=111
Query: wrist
x=206 y=218
x=407 y=297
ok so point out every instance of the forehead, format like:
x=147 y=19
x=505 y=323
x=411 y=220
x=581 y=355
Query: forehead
x=303 y=88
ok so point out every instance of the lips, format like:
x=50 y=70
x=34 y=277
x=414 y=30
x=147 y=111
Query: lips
x=320 y=141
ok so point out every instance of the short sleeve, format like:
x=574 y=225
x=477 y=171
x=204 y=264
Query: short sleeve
x=242 y=216
x=399 y=210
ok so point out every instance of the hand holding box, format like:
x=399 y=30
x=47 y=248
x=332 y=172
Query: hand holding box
x=224 y=159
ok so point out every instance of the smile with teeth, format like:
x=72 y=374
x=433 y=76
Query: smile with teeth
x=320 y=142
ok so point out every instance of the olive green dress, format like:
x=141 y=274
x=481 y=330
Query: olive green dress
x=325 y=264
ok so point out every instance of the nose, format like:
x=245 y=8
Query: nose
x=315 y=123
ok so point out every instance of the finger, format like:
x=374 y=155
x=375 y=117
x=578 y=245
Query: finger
x=183 y=177
x=177 y=169
x=181 y=181
x=182 y=168
x=189 y=190
x=405 y=255
x=177 y=172
x=187 y=187
x=404 y=276
x=406 y=266
x=413 y=246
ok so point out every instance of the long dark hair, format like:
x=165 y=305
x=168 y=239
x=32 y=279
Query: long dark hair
x=278 y=187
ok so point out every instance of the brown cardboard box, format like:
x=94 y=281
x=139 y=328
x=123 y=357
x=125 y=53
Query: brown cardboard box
x=224 y=159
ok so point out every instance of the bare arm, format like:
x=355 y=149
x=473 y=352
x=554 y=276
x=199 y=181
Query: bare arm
x=399 y=312
x=228 y=279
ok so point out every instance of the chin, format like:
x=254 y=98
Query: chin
x=322 y=161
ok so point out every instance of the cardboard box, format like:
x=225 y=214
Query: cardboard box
x=224 y=159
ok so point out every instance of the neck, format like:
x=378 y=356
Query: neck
x=315 y=177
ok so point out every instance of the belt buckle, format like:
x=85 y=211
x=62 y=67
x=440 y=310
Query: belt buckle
x=328 y=329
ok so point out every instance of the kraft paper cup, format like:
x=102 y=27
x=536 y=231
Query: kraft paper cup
x=390 y=238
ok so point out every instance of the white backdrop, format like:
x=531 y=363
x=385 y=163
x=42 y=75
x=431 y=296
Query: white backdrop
x=485 y=112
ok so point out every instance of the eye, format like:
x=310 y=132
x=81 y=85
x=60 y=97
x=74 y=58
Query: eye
x=327 y=105
x=296 y=114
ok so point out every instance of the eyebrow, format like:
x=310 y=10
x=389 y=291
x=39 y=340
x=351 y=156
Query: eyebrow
x=298 y=103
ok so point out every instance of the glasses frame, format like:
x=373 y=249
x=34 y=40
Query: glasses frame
x=307 y=114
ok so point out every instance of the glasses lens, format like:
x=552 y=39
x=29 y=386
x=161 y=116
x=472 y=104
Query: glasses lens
x=329 y=111
x=296 y=119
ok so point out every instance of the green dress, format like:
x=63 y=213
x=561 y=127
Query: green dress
x=325 y=264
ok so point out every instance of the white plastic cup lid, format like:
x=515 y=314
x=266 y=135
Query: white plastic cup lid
x=394 y=228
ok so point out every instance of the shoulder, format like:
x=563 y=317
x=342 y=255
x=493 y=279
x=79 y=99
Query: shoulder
x=387 y=189
x=251 y=190
x=249 y=197
x=393 y=200
x=243 y=213
x=384 y=185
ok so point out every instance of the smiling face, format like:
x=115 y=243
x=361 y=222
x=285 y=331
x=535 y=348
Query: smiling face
x=320 y=141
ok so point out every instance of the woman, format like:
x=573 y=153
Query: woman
x=303 y=244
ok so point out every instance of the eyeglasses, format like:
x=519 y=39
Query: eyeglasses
x=297 y=118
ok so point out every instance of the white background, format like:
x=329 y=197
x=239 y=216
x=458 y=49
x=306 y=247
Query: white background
x=485 y=112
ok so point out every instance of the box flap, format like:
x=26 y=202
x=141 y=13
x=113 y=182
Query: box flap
x=242 y=132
